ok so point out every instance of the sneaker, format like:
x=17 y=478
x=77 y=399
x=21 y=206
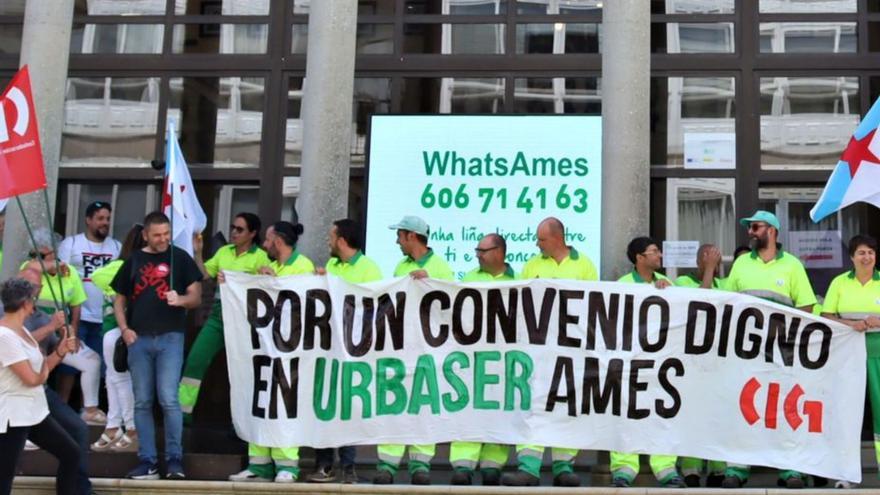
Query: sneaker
x=97 y=418
x=846 y=485
x=674 y=482
x=144 y=471
x=421 y=477
x=349 y=476
x=567 y=479
x=621 y=482
x=732 y=482
x=105 y=442
x=28 y=445
x=462 y=478
x=519 y=478
x=248 y=475
x=324 y=474
x=174 y=470
x=383 y=477
x=285 y=477
x=692 y=480
x=127 y=443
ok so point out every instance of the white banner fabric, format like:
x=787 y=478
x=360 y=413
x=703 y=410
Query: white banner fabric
x=315 y=361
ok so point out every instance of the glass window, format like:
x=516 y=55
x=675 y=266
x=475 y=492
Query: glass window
x=706 y=37
x=806 y=121
x=110 y=121
x=117 y=38
x=371 y=96
x=220 y=38
x=692 y=6
x=702 y=209
x=807 y=6
x=375 y=38
x=551 y=7
x=557 y=38
x=299 y=38
x=301 y=7
x=221 y=7
x=688 y=112
x=458 y=39
x=130 y=203
x=12 y=7
x=294 y=132
x=452 y=95
x=808 y=37
x=376 y=7
x=117 y=7
x=219 y=120
x=456 y=7
x=10 y=38
x=579 y=95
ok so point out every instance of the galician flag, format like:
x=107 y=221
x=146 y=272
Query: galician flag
x=857 y=175
x=179 y=201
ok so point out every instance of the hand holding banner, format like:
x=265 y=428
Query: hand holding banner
x=21 y=159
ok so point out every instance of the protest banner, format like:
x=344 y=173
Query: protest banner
x=315 y=361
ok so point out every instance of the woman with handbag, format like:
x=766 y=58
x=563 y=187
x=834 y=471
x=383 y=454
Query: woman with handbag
x=120 y=397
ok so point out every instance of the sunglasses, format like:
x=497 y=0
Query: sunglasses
x=756 y=227
x=42 y=255
x=484 y=250
x=236 y=228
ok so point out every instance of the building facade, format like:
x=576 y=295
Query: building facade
x=775 y=87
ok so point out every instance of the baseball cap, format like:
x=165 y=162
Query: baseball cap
x=413 y=224
x=761 y=216
x=97 y=205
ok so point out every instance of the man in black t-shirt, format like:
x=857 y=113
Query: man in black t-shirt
x=154 y=291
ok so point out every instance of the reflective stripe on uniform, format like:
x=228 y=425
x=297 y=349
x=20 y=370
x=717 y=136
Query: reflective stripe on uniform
x=770 y=296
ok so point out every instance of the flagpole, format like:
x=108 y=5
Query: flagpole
x=27 y=225
x=170 y=185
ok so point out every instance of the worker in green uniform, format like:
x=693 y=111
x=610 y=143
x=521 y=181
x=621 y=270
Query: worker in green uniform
x=561 y=261
x=708 y=266
x=243 y=254
x=349 y=263
x=770 y=273
x=280 y=463
x=491 y=253
x=853 y=298
x=645 y=255
x=419 y=261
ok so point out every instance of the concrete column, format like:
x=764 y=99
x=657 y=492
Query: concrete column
x=626 y=71
x=327 y=121
x=45 y=47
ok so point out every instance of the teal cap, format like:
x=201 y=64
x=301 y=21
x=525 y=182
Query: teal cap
x=761 y=216
x=413 y=224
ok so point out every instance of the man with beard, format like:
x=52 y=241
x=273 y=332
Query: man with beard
x=87 y=252
x=347 y=262
x=770 y=273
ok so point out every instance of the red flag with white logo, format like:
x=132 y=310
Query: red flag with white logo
x=21 y=158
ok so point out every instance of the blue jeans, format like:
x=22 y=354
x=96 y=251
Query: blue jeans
x=70 y=422
x=155 y=362
x=324 y=457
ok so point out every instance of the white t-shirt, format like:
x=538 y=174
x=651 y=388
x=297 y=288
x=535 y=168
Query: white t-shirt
x=20 y=405
x=87 y=256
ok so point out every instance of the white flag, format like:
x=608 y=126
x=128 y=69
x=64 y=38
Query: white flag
x=179 y=201
x=3 y=204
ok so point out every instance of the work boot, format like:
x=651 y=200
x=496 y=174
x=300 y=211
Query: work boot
x=714 y=480
x=567 y=479
x=692 y=480
x=675 y=482
x=383 y=477
x=491 y=477
x=621 y=482
x=519 y=478
x=732 y=482
x=462 y=478
x=421 y=477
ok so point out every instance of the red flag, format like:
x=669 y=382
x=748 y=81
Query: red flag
x=21 y=158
